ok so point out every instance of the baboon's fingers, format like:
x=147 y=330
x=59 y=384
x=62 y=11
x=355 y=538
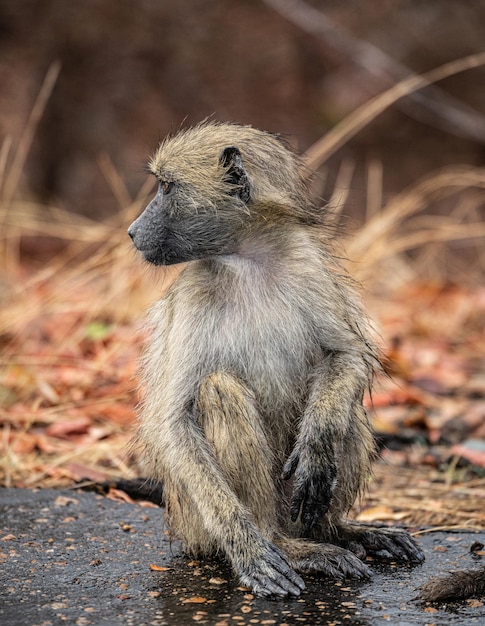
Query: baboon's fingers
x=267 y=581
x=280 y=562
x=272 y=575
x=313 y=494
x=379 y=543
x=264 y=586
x=358 y=569
x=316 y=504
x=313 y=464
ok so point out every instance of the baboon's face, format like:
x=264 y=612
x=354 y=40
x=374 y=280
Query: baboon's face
x=183 y=223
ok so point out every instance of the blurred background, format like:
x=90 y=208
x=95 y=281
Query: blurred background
x=88 y=88
x=131 y=72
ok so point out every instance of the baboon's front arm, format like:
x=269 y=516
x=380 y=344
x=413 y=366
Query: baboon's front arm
x=337 y=384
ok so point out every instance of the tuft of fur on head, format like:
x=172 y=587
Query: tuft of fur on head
x=276 y=174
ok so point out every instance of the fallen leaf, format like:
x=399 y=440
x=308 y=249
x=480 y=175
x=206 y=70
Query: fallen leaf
x=381 y=513
x=472 y=450
x=82 y=472
x=217 y=581
x=147 y=504
x=65 y=429
x=159 y=568
x=119 y=495
x=24 y=443
x=65 y=500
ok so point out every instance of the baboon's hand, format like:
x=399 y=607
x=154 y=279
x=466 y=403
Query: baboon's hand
x=315 y=478
x=270 y=573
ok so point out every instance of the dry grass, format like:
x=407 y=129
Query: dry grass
x=99 y=255
x=378 y=251
x=418 y=496
x=96 y=275
x=365 y=114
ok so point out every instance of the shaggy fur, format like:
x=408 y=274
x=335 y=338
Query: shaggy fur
x=459 y=585
x=257 y=364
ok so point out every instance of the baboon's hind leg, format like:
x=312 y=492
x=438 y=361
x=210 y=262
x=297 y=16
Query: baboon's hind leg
x=228 y=414
x=230 y=419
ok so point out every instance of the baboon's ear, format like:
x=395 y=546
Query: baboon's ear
x=231 y=159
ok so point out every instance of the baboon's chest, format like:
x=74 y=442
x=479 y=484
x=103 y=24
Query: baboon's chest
x=265 y=339
x=255 y=328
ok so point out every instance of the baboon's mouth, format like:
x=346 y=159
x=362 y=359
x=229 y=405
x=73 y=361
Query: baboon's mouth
x=156 y=256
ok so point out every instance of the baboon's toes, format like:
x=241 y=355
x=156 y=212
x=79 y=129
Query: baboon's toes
x=385 y=542
x=404 y=547
x=334 y=562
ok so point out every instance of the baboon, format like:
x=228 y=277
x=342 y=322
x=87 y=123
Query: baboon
x=256 y=367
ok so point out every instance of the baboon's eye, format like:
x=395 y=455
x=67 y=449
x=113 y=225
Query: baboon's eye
x=166 y=187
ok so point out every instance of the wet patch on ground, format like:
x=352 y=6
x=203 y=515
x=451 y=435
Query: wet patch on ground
x=80 y=558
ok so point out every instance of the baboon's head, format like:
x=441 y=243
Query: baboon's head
x=215 y=181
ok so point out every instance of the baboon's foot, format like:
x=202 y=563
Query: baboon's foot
x=324 y=558
x=270 y=573
x=385 y=542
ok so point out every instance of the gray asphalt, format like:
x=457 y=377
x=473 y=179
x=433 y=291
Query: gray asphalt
x=70 y=557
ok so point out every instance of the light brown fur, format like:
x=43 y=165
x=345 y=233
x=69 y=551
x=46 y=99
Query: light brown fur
x=458 y=585
x=257 y=364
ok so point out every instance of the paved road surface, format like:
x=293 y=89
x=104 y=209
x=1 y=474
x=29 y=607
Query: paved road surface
x=69 y=557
